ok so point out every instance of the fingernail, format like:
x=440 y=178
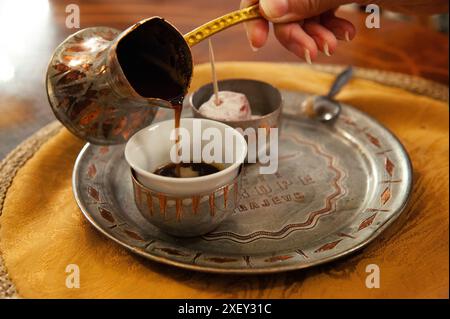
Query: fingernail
x=326 y=49
x=254 y=49
x=347 y=36
x=308 y=56
x=274 y=9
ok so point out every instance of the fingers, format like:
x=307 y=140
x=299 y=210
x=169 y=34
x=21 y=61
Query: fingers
x=341 y=28
x=283 y=11
x=319 y=32
x=257 y=30
x=295 y=39
x=306 y=39
x=257 y=33
x=325 y=39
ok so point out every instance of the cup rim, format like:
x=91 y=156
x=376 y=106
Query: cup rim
x=239 y=161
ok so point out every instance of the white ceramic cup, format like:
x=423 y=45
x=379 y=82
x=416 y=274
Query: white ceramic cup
x=149 y=149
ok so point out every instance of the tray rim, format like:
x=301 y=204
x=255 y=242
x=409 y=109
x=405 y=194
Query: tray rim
x=256 y=271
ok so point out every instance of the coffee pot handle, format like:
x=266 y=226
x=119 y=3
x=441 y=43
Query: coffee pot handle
x=217 y=25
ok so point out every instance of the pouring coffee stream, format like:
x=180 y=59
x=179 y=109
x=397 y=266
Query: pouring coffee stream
x=137 y=63
x=157 y=47
x=104 y=85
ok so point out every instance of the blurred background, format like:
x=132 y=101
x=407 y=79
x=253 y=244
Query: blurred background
x=31 y=29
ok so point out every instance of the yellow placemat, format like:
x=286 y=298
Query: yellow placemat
x=42 y=230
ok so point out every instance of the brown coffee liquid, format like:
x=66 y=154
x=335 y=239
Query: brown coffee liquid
x=178 y=108
x=155 y=67
x=151 y=63
x=184 y=170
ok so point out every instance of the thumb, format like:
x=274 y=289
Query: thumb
x=282 y=11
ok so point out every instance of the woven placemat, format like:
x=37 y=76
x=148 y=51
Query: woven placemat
x=10 y=165
x=410 y=83
x=8 y=170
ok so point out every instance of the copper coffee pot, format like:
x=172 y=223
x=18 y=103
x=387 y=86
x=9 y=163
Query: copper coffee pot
x=104 y=85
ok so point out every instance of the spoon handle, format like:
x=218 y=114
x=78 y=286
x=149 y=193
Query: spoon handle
x=212 y=27
x=340 y=82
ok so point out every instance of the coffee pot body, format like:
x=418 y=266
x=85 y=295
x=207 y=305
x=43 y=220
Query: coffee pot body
x=104 y=85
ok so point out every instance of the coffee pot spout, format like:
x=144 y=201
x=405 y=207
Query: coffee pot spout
x=104 y=85
x=94 y=89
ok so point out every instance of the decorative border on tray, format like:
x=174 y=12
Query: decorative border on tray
x=313 y=217
x=19 y=156
x=295 y=259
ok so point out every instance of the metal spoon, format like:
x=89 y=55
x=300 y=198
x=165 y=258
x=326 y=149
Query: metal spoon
x=325 y=108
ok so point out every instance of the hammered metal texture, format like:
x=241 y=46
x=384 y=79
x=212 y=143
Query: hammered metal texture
x=336 y=189
x=80 y=93
x=187 y=216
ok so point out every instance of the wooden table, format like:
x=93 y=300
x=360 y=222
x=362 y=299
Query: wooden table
x=397 y=46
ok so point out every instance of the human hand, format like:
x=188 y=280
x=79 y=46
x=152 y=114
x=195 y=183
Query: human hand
x=304 y=27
